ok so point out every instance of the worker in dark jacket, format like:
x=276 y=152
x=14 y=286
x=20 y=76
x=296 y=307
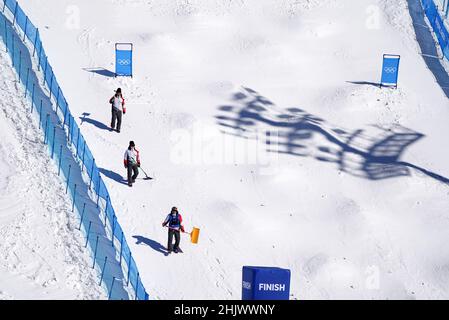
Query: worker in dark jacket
x=175 y=227
x=132 y=162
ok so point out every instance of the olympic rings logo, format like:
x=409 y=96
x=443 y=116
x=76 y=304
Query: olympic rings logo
x=124 y=62
x=390 y=69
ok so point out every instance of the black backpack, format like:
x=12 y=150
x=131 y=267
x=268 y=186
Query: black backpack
x=174 y=221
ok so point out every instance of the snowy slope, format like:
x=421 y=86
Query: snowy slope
x=41 y=253
x=351 y=194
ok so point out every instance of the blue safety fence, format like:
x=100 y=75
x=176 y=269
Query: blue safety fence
x=443 y=6
x=74 y=159
x=438 y=26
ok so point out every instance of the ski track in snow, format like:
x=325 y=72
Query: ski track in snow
x=41 y=253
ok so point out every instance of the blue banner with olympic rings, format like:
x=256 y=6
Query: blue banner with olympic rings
x=390 y=70
x=124 y=59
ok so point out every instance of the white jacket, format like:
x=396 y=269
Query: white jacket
x=131 y=157
x=118 y=103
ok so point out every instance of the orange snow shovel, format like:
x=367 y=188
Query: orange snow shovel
x=194 y=235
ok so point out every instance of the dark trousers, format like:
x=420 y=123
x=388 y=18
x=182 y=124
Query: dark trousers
x=116 y=116
x=177 y=234
x=132 y=169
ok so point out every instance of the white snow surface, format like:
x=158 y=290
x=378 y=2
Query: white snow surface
x=324 y=208
x=41 y=252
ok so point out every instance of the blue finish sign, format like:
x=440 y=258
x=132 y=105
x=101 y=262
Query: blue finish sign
x=390 y=70
x=265 y=283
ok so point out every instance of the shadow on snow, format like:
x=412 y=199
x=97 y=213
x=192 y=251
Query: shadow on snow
x=101 y=71
x=373 y=153
x=151 y=243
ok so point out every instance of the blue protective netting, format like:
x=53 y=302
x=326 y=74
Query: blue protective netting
x=438 y=26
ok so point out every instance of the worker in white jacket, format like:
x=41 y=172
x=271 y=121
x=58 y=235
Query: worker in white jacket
x=132 y=162
x=118 y=107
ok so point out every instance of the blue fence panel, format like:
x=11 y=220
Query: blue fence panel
x=21 y=18
x=139 y=291
x=103 y=191
x=31 y=32
x=110 y=214
x=430 y=9
x=40 y=53
x=60 y=100
x=48 y=73
x=95 y=178
x=109 y=211
x=88 y=160
x=126 y=254
x=63 y=106
x=132 y=273
x=54 y=88
x=441 y=32
x=81 y=148
x=11 y=5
